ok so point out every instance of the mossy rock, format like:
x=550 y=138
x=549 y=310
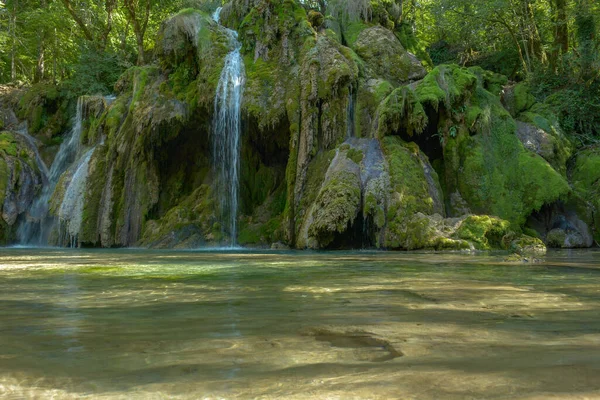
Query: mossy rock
x=338 y=203
x=191 y=222
x=410 y=194
x=484 y=231
x=493 y=172
x=517 y=98
x=385 y=56
x=446 y=89
x=192 y=48
x=46 y=107
x=528 y=246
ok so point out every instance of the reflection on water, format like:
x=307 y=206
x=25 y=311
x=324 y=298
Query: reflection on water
x=235 y=325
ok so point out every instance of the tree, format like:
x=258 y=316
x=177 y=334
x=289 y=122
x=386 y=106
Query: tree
x=138 y=15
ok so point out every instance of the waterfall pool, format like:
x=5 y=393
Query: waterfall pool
x=138 y=324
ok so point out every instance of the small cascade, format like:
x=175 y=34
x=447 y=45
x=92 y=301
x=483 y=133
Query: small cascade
x=350 y=114
x=71 y=209
x=36 y=229
x=226 y=135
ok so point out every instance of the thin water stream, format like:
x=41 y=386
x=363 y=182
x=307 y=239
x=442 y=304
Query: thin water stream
x=226 y=136
x=136 y=324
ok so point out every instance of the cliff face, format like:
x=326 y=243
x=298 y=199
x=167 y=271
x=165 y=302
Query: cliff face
x=347 y=141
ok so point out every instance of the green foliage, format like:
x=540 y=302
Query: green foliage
x=96 y=72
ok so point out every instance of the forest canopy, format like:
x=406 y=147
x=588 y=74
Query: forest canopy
x=552 y=44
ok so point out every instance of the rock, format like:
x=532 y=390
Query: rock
x=560 y=238
x=483 y=231
x=338 y=202
x=384 y=55
x=279 y=246
x=20 y=180
x=528 y=246
x=517 y=98
x=535 y=140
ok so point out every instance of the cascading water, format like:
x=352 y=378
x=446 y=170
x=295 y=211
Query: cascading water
x=35 y=230
x=226 y=135
x=37 y=227
x=71 y=209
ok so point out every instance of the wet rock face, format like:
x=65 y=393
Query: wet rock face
x=385 y=57
x=20 y=181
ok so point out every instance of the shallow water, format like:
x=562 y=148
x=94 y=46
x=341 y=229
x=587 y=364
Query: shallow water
x=239 y=325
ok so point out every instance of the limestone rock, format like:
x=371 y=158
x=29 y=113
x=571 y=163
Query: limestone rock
x=384 y=55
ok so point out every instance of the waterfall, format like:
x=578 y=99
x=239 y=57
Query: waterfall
x=35 y=230
x=70 y=213
x=226 y=135
x=350 y=115
x=38 y=225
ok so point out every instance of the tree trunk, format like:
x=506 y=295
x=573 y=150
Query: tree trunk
x=139 y=25
x=561 y=37
x=140 y=44
x=13 y=49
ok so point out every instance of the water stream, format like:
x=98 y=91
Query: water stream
x=35 y=230
x=70 y=213
x=226 y=136
x=138 y=324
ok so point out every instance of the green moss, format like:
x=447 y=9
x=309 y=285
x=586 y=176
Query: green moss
x=447 y=85
x=528 y=246
x=523 y=99
x=4 y=175
x=260 y=233
x=401 y=110
x=490 y=81
x=315 y=177
x=115 y=115
x=336 y=207
x=141 y=78
x=355 y=155
x=409 y=196
x=45 y=107
x=493 y=172
x=352 y=30
x=193 y=216
x=8 y=144
x=484 y=231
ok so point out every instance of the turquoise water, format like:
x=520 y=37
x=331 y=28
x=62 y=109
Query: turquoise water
x=241 y=325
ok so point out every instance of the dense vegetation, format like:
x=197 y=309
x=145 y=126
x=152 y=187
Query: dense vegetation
x=552 y=44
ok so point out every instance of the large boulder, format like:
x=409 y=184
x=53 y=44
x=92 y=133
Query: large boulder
x=385 y=56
